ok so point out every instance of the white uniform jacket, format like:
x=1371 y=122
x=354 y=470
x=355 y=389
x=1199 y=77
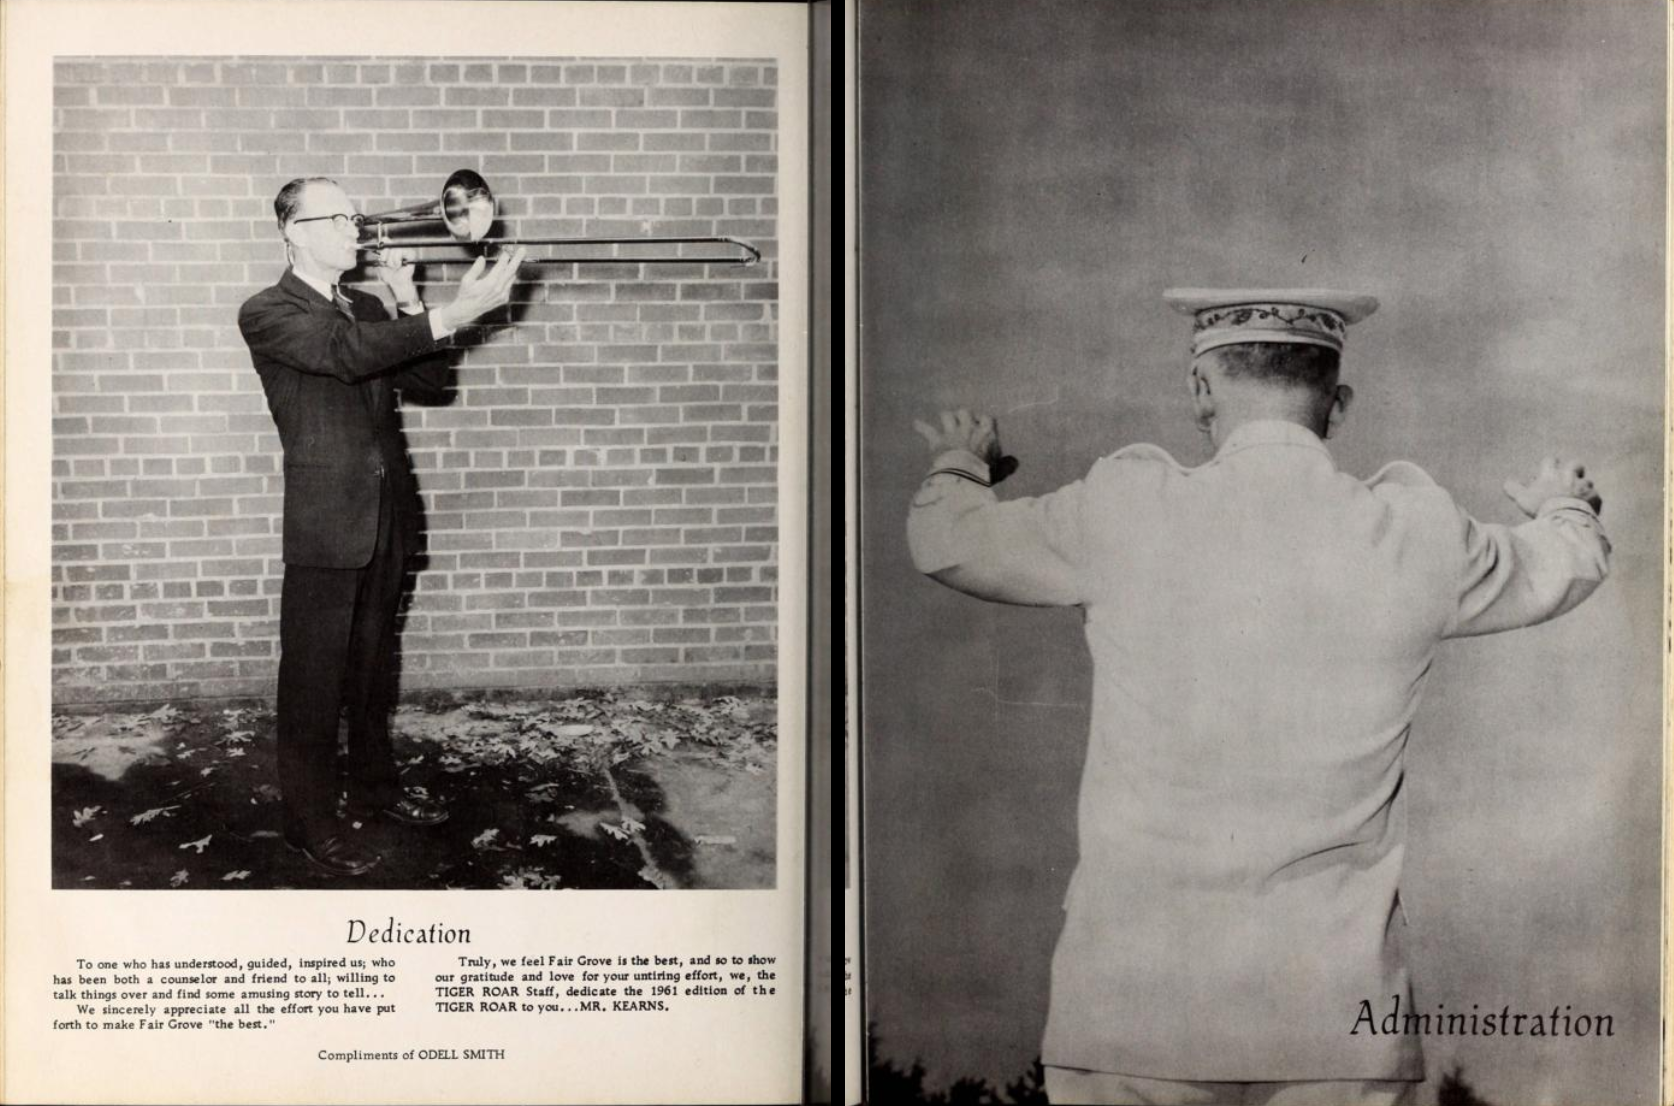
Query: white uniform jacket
x=1260 y=630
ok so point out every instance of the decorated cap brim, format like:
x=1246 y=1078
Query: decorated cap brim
x=1351 y=306
x=1230 y=316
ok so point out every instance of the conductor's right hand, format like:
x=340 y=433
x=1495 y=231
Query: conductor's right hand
x=1556 y=478
x=481 y=292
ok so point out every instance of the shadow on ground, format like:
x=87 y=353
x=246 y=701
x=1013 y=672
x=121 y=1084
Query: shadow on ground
x=604 y=790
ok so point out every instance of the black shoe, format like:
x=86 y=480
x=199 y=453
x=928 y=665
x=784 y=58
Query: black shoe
x=407 y=810
x=337 y=854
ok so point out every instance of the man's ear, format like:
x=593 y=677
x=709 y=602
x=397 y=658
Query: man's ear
x=1340 y=402
x=1203 y=397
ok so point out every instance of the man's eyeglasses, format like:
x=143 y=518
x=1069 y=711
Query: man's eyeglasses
x=338 y=222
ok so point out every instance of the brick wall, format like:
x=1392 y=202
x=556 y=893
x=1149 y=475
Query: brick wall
x=600 y=494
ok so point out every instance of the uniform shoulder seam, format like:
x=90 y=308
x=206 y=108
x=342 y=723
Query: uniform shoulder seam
x=1144 y=451
x=1404 y=473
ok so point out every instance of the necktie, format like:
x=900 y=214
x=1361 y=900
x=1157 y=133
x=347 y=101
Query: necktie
x=370 y=393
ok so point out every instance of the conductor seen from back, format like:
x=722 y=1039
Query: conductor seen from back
x=1261 y=627
x=331 y=362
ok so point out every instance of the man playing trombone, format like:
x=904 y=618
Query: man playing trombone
x=330 y=362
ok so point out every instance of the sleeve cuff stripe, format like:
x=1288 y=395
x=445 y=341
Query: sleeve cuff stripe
x=960 y=473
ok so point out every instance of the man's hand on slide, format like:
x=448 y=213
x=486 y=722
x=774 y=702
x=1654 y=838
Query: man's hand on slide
x=395 y=268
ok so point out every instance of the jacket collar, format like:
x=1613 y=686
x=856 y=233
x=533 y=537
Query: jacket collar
x=296 y=286
x=1270 y=432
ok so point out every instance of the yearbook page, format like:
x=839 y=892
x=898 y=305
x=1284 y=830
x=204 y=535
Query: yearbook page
x=1262 y=551
x=406 y=515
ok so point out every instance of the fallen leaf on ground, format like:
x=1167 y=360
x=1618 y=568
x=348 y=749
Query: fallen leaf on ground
x=200 y=844
x=178 y=878
x=542 y=839
x=145 y=816
x=242 y=873
x=86 y=814
x=615 y=831
x=484 y=839
x=94 y=838
x=529 y=879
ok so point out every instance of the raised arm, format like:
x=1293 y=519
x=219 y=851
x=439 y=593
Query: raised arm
x=1024 y=551
x=1522 y=575
x=352 y=349
x=427 y=377
x=336 y=346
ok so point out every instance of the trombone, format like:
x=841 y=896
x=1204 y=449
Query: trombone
x=466 y=210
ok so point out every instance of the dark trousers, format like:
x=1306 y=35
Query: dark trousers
x=337 y=646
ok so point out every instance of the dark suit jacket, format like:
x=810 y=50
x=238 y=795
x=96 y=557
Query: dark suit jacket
x=330 y=385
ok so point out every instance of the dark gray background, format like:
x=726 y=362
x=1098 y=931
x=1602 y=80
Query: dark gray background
x=1033 y=175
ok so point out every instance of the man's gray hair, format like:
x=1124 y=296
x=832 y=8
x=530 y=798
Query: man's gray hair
x=285 y=204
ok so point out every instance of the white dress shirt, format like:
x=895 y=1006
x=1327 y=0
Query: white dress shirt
x=1260 y=629
x=329 y=291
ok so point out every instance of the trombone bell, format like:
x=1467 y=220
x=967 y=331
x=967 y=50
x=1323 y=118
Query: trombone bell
x=467 y=205
x=466 y=209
